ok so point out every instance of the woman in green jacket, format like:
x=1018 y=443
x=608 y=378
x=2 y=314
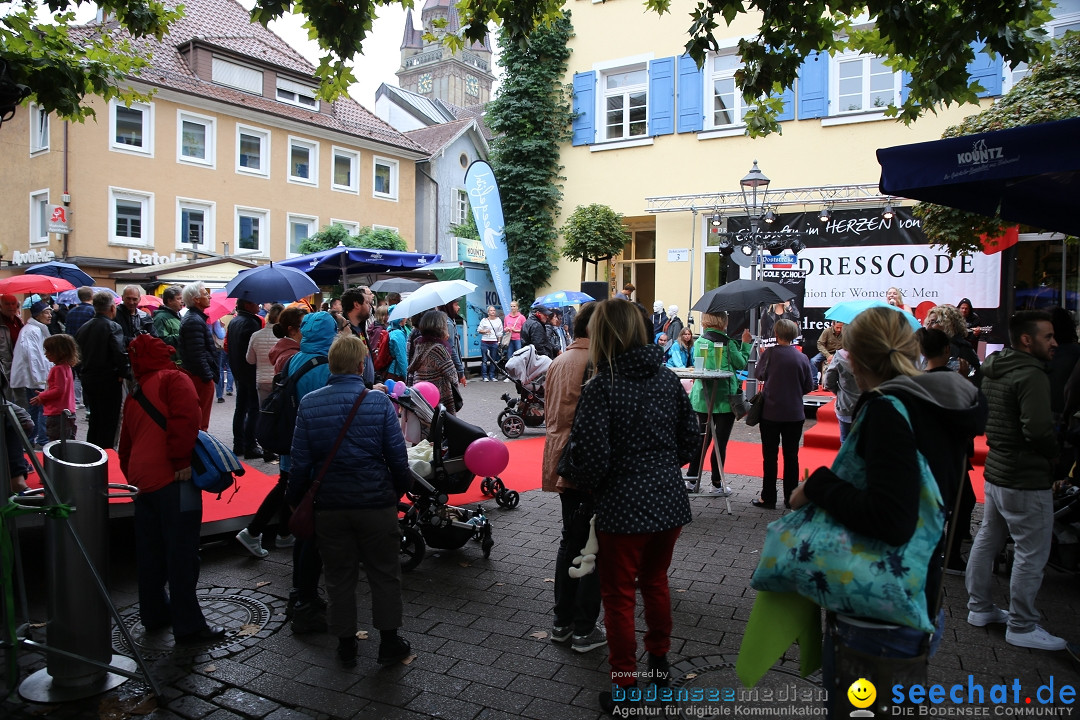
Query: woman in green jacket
x=733 y=357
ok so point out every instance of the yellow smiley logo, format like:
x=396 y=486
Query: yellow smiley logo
x=862 y=693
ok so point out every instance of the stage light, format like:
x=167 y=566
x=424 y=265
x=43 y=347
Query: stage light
x=888 y=213
x=770 y=217
x=824 y=215
x=797 y=246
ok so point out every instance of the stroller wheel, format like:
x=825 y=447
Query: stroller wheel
x=486 y=487
x=497 y=486
x=412 y=548
x=487 y=543
x=511 y=424
x=508 y=499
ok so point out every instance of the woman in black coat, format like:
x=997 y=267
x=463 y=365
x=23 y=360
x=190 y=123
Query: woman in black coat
x=633 y=430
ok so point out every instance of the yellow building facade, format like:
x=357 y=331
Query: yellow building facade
x=233 y=155
x=662 y=143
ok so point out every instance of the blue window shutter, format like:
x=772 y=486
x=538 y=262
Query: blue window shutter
x=814 y=86
x=788 y=113
x=584 y=108
x=905 y=81
x=662 y=96
x=691 y=95
x=986 y=71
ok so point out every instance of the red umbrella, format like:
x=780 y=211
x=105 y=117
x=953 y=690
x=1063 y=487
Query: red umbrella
x=150 y=303
x=42 y=284
x=220 y=305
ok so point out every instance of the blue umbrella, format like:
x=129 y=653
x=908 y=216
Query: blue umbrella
x=71 y=297
x=62 y=270
x=563 y=298
x=846 y=311
x=270 y=283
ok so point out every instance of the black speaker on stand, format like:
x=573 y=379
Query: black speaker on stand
x=598 y=290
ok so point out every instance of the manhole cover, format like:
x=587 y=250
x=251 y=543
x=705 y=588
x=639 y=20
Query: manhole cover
x=247 y=616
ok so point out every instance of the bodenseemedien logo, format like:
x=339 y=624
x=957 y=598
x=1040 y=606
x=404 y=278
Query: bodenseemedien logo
x=862 y=695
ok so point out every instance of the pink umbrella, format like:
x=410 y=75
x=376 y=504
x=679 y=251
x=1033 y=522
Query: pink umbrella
x=220 y=305
x=150 y=303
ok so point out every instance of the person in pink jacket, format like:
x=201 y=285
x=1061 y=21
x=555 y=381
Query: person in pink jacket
x=59 y=393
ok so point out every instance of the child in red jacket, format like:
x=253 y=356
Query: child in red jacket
x=59 y=392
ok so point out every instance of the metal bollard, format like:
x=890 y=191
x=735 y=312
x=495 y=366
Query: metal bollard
x=79 y=618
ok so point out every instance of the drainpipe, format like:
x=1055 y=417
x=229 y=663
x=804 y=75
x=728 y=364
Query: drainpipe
x=435 y=233
x=66 y=195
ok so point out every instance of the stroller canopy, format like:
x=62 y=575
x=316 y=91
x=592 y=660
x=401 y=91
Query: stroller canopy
x=528 y=367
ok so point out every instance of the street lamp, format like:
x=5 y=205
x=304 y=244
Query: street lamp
x=749 y=185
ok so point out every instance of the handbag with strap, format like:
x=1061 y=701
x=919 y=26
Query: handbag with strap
x=757 y=406
x=302 y=521
x=810 y=553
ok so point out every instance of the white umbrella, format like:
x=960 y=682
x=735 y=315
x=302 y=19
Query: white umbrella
x=430 y=296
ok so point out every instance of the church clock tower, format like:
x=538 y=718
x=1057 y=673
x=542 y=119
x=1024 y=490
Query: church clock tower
x=462 y=78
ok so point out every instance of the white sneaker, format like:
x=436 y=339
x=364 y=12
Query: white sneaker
x=992 y=616
x=253 y=543
x=1037 y=639
x=717 y=491
x=691 y=486
x=285 y=541
x=506 y=379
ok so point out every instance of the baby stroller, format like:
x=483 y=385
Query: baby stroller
x=527 y=369
x=427 y=519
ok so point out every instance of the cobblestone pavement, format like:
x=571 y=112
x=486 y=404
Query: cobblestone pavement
x=479 y=628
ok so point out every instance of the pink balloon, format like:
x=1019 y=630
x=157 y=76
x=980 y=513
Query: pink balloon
x=428 y=391
x=487 y=457
x=400 y=388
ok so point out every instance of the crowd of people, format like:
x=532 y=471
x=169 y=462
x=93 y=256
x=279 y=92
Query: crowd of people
x=620 y=429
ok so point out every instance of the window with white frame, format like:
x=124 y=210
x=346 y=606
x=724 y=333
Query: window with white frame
x=195 y=135
x=131 y=217
x=39 y=217
x=39 y=129
x=252 y=151
x=132 y=128
x=863 y=83
x=295 y=93
x=252 y=231
x=195 y=225
x=301 y=227
x=303 y=161
x=625 y=102
x=1067 y=18
x=344 y=173
x=461 y=208
x=237 y=76
x=350 y=226
x=385 y=181
x=725 y=98
x=383 y=227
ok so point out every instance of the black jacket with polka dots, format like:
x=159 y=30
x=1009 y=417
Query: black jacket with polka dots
x=634 y=428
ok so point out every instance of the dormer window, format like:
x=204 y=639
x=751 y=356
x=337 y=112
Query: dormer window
x=238 y=76
x=295 y=93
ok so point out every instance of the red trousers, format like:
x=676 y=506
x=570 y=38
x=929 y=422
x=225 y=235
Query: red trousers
x=626 y=563
x=205 y=390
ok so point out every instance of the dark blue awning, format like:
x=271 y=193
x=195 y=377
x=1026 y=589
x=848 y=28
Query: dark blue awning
x=1027 y=174
x=334 y=266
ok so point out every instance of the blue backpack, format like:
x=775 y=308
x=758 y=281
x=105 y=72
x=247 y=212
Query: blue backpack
x=213 y=465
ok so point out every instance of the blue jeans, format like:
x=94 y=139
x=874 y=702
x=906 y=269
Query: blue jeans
x=513 y=347
x=490 y=359
x=225 y=382
x=37 y=414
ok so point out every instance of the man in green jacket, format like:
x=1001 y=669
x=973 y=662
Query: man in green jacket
x=1019 y=501
x=167 y=318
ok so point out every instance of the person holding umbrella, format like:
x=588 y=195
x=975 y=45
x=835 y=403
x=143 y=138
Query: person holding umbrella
x=715 y=394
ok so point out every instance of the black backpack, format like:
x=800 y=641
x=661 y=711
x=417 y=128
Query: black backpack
x=277 y=415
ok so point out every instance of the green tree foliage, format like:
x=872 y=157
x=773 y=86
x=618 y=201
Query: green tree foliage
x=467 y=229
x=931 y=41
x=1050 y=92
x=54 y=65
x=333 y=235
x=531 y=118
x=593 y=232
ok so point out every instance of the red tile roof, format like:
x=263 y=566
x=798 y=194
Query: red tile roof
x=227 y=25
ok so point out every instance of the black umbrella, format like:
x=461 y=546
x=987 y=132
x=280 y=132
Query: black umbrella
x=398 y=285
x=740 y=295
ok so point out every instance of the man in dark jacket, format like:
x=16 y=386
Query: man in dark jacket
x=241 y=328
x=1019 y=465
x=130 y=318
x=103 y=368
x=82 y=312
x=534 y=332
x=198 y=352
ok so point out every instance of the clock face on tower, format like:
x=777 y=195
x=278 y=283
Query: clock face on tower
x=472 y=85
x=423 y=84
